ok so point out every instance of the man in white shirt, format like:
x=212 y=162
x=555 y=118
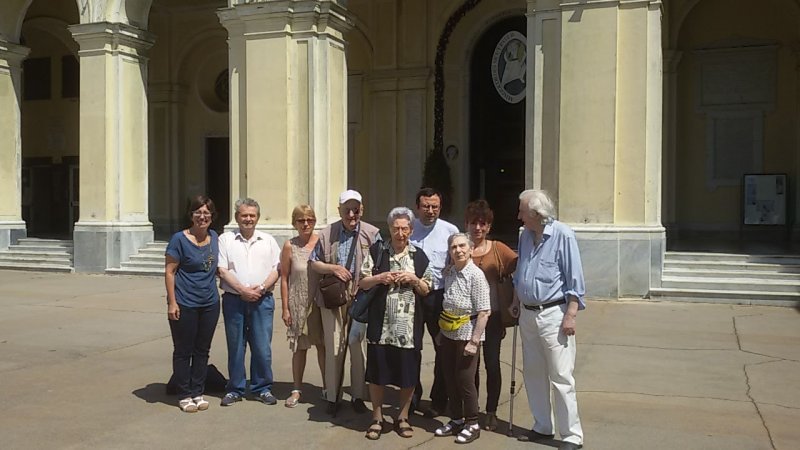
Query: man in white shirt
x=248 y=267
x=431 y=234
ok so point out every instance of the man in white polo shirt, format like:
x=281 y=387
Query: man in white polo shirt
x=248 y=266
x=431 y=234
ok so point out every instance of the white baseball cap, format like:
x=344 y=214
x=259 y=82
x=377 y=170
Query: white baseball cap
x=349 y=195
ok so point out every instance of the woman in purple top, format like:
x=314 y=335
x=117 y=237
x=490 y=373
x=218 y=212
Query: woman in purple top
x=192 y=301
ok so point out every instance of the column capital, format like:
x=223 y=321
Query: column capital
x=112 y=38
x=12 y=55
x=280 y=18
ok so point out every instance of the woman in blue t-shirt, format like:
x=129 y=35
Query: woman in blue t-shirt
x=192 y=301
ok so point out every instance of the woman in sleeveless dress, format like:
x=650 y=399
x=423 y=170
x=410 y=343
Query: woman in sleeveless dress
x=300 y=314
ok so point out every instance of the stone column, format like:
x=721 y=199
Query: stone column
x=12 y=227
x=114 y=220
x=166 y=155
x=288 y=107
x=542 y=97
x=671 y=60
x=610 y=146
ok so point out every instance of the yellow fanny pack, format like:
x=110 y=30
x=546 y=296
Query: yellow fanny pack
x=452 y=322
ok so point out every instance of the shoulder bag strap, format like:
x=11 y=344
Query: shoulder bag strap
x=353 y=246
x=500 y=266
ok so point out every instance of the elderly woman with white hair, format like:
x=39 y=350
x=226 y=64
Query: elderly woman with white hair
x=401 y=274
x=467 y=308
x=549 y=287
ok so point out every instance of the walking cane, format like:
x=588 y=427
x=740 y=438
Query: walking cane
x=347 y=327
x=513 y=381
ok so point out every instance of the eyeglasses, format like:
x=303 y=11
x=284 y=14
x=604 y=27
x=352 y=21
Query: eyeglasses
x=305 y=220
x=201 y=214
x=354 y=211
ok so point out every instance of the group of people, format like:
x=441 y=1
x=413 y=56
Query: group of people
x=429 y=275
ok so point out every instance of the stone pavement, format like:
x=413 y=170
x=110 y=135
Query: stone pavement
x=84 y=359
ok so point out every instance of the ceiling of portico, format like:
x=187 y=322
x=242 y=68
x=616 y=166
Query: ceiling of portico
x=676 y=12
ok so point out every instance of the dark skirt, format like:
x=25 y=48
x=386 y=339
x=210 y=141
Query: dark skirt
x=388 y=365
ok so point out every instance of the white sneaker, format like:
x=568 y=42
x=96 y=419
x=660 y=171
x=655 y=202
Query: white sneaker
x=187 y=405
x=201 y=403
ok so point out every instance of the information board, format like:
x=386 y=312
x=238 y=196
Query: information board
x=765 y=199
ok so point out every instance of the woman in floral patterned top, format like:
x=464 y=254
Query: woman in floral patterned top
x=466 y=293
x=394 y=329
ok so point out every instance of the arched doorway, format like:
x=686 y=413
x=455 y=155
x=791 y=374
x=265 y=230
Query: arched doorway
x=50 y=115
x=497 y=121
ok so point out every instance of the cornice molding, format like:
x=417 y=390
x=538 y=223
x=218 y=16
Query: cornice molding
x=12 y=55
x=112 y=38
x=296 y=18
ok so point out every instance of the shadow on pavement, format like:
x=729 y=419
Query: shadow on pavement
x=155 y=393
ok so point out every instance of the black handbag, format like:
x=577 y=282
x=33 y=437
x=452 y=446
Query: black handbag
x=333 y=290
x=359 y=310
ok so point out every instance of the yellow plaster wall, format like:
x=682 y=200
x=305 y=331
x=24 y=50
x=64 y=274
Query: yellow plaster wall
x=587 y=142
x=630 y=174
x=709 y=22
x=96 y=160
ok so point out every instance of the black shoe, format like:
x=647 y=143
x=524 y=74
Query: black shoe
x=532 y=436
x=332 y=408
x=569 y=446
x=359 y=406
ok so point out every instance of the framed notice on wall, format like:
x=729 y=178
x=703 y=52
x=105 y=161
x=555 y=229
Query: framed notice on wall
x=765 y=199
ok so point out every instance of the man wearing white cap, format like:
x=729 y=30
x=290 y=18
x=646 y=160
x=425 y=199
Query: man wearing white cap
x=330 y=256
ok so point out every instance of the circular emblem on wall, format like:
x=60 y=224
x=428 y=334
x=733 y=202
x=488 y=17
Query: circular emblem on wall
x=509 y=63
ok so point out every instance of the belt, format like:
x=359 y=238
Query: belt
x=544 y=306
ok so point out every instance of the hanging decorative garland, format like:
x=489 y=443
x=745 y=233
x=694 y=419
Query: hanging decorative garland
x=438 y=84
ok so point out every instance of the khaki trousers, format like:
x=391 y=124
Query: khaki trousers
x=334 y=329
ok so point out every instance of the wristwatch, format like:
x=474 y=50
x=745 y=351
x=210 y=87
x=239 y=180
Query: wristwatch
x=262 y=288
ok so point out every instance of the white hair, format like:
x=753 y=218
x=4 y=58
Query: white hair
x=539 y=201
x=454 y=236
x=246 y=202
x=398 y=213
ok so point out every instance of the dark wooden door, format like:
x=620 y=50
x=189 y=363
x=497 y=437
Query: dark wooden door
x=218 y=179
x=497 y=127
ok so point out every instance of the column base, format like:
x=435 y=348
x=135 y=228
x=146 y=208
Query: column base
x=101 y=246
x=11 y=232
x=621 y=261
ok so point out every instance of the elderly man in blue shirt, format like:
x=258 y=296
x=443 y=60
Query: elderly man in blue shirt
x=549 y=291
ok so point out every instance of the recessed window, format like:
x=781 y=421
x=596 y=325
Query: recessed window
x=36 y=79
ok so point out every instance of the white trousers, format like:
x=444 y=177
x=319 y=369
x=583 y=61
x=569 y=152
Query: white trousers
x=548 y=359
x=334 y=334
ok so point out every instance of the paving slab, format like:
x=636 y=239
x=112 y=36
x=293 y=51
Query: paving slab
x=84 y=359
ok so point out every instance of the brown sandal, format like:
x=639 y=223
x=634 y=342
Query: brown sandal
x=403 y=431
x=374 y=431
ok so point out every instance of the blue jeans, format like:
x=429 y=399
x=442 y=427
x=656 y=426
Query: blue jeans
x=249 y=323
x=191 y=337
